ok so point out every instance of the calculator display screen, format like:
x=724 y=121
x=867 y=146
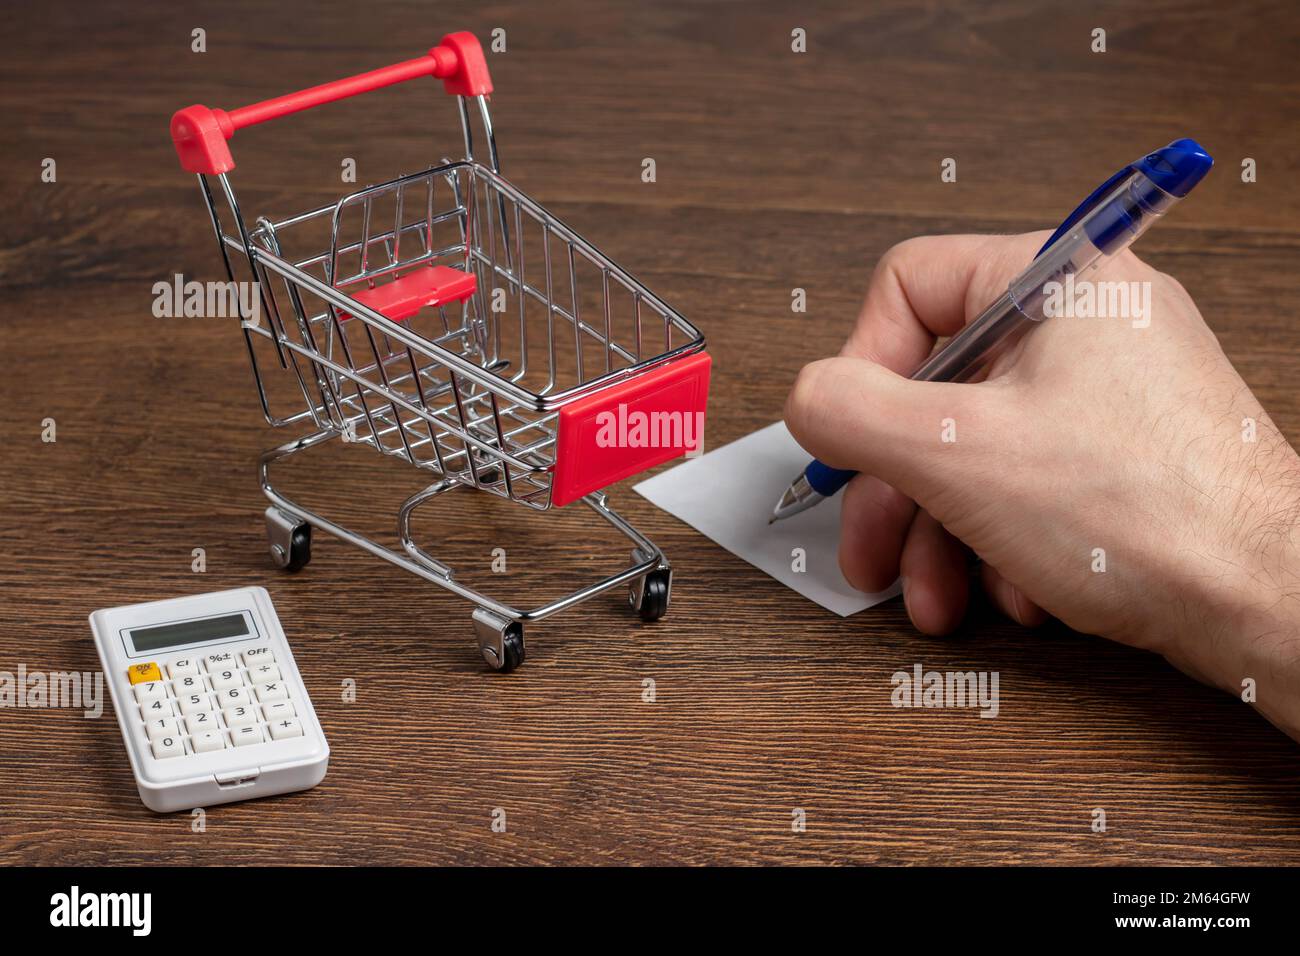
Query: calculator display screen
x=188 y=632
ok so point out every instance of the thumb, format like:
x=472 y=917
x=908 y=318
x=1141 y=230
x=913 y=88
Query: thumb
x=920 y=437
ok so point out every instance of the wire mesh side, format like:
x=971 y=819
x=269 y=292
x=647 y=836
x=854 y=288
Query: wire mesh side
x=467 y=389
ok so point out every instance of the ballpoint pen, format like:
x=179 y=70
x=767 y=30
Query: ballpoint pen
x=1108 y=221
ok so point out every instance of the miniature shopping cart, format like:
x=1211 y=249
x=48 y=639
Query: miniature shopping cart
x=446 y=319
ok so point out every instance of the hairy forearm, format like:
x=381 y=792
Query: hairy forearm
x=1243 y=622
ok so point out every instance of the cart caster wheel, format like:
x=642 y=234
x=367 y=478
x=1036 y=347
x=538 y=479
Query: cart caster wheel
x=652 y=601
x=501 y=642
x=290 y=541
x=514 y=648
x=299 y=549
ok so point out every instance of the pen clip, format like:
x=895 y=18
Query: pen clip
x=1173 y=169
x=1086 y=206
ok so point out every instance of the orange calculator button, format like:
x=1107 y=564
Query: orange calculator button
x=139 y=673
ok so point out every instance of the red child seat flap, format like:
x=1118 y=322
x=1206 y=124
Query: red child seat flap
x=403 y=297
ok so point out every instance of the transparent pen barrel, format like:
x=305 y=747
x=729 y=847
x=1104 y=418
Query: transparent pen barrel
x=1128 y=211
x=973 y=348
x=1121 y=217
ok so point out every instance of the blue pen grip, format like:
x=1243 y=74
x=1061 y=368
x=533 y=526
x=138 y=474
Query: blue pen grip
x=826 y=480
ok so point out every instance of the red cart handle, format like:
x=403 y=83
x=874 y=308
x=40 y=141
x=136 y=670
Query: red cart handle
x=200 y=133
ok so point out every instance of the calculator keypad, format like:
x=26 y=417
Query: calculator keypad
x=211 y=702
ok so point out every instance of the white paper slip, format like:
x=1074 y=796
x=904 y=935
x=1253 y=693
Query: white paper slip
x=728 y=494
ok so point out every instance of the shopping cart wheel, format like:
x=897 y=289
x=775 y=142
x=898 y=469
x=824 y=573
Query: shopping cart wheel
x=514 y=646
x=290 y=540
x=501 y=642
x=650 y=594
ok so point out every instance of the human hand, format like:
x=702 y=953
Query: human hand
x=1093 y=443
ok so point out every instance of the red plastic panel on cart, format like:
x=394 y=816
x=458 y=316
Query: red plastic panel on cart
x=623 y=430
x=403 y=297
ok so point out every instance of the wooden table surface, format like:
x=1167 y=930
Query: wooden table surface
x=775 y=170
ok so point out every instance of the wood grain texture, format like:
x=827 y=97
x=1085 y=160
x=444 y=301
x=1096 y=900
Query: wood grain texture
x=774 y=171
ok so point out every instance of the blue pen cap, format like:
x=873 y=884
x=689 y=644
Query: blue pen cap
x=1176 y=168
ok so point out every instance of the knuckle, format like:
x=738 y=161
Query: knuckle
x=901 y=252
x=1173 y=286
x=1127 y=264
x=810 y=407
x=802 y=401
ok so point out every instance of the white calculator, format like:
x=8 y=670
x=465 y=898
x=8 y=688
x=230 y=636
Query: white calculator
x=209 y=699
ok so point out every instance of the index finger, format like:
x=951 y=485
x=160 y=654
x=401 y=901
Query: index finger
x=929 y=287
